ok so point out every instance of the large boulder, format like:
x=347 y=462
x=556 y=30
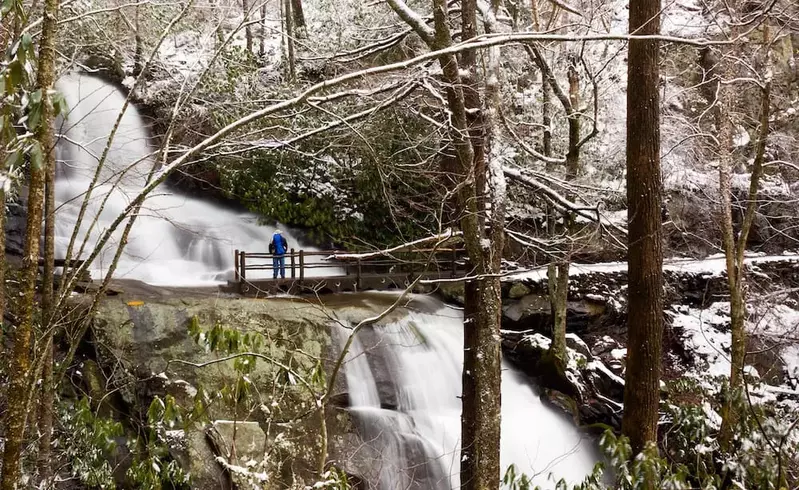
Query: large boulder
x=238 y=441
x=194 y=453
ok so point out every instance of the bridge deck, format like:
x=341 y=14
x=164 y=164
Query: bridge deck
x=328 y=285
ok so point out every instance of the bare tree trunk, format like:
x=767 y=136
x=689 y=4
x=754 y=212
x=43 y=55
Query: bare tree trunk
x=245 y=6
x=216 y=5
x=558 y=282
x=8 y=30
x=734 y=251
x=20 y=362
x=44 y=464
x=138 y=62
x=645 y=254
x=262 y=47
x=291 y=73
x=471 y=338
x=298 y=15
x=546 y=119
x=481 y=400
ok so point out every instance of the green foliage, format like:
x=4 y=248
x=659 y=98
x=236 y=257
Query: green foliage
x=21 y=111
x=153 y=468
x=340 y=187
x=90 y=443
x=333 y=479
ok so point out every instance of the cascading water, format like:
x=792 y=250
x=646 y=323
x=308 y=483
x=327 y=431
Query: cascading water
x=409 y=417
x=411 y=424
x=176 y=240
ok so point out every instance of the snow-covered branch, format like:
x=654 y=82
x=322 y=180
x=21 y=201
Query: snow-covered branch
x=446 y=235
x=589 y=213
x=526 y=147
x=413 y=19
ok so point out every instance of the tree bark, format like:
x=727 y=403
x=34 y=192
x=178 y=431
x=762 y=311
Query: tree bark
x=245 y=6
x=44 y=464
x=471 y=340
x=138 y=62
x=262 y=47
x=558 y=282
x=645 y=254
x=734 y=250
x=291 y=74
x=7 y=36
x=20 y=362
x=299 y=17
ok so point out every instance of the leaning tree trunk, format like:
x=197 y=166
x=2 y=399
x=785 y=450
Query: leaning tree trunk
x=734 y=250
x=20 y=361
x=645 y=254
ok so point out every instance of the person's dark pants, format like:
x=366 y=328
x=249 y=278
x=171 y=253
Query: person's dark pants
x=279 y=262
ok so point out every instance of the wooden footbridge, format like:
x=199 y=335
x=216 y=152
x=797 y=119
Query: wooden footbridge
x=323 y=272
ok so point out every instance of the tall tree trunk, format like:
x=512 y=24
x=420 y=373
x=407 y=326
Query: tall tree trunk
x=20 y=361
x=138 y=61
x=216 y=7
x=298 y=15
x=471 y=338
x=7 y=36
x=245 y=6
x=558 y=272
x=546 y=119
x=734 y=250
x=288 y=29
x=481 y=399
x=558 y=282
x=262 y=47
x=46 y=400
x=645 y=254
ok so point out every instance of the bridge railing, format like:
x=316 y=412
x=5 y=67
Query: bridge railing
x=301 y=264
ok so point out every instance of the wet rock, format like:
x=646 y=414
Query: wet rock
x=238 y=442
x=586 y=390
x=576 y=343
x=16 y=221
x=523 y=308
x=194 y=454
x=518 y=290
x=378 y=355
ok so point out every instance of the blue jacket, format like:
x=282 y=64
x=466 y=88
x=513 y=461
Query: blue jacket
x=278 y=246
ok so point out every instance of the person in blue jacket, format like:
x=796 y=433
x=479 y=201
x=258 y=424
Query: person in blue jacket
x=278 y=247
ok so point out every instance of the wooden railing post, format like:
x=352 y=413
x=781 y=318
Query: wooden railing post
x=242 y=266
x=236 y=265
x=302 y=265
x=358 y=277
x=292 y=263
x=454 y=261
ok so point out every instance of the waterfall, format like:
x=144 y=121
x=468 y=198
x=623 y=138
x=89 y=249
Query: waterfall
x=176 y=240
x=414 y=441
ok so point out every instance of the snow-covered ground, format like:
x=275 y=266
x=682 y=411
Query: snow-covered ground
x=713 y=265
x=773 y=319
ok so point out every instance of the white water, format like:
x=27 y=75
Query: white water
x=176 y=240
x=424 y=356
